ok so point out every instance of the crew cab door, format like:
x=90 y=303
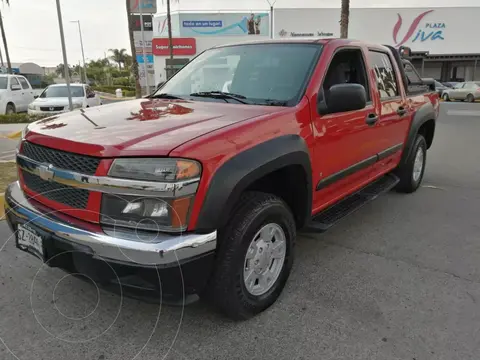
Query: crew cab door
x=393 y=111
x=344 y=149
x=15 y=92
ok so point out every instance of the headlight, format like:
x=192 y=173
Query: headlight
x=169 y=213
x=155 y=169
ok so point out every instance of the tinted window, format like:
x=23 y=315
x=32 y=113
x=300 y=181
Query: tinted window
x=384 y=74
x=412 y=75
x=23 y=82
x=61 y=91
x=3 y=82
x=459 y=86
x=262 y=73
x=347 y=67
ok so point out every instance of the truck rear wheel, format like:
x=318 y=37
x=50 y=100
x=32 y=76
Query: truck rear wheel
x=254 y=257
x=411 y=172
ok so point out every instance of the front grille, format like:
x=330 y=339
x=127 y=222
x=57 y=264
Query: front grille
x=64 y=160
x=52 y=108
x=72 y=197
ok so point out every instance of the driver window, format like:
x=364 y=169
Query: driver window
x=347 y=67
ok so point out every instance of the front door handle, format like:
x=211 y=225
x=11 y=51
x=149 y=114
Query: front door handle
x=371 y=119
x=401 y=111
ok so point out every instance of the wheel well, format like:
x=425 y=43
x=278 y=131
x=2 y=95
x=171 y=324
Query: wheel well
x=11 y=103
x=290 y=184
x=427 y=130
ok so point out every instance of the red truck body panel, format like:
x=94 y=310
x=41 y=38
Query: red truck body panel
x=213 y=133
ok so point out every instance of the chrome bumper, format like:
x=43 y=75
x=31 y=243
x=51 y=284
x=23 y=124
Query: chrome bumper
x=122 y=246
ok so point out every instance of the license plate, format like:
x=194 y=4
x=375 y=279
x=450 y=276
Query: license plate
x=29 y=240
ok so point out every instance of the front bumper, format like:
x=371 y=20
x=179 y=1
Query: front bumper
x=120 y=246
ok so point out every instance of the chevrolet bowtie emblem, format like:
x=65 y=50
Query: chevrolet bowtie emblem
x=51 y=108
x=46 y=172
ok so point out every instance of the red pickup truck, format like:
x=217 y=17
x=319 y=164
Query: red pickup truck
x=201 y=187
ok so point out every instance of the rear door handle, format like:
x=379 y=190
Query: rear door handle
x=401 y=111
x=371 y=119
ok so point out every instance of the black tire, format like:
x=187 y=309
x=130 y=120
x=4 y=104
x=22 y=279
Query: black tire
x=226 y=289
x=408 y=183
x=10 y=109
x=446 y=97
x=470 y=98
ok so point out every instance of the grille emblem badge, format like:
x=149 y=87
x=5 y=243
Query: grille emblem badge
x=51 y=108
x=45 y=172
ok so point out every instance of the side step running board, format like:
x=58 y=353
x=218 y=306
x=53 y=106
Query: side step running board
x=328 y=217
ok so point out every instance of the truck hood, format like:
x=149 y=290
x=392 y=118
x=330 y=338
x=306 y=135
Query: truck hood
x=143 y=127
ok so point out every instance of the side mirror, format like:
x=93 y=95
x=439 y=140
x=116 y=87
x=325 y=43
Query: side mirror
x=35 y=96
x=342 y=98
x=430 y=83
x=15 y=87
x=91 y=95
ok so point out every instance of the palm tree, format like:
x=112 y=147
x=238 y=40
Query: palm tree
x=134 y=68
x=118 y=55
x=344 y=15
x=2 y=29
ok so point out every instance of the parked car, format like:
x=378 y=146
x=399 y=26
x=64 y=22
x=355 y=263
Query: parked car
x=439 y=88
x=15 y=94
x=206 y=189
x=467 y=91
x=54 y=99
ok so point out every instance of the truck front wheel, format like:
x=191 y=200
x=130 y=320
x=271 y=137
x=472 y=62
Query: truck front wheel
x=411 y=172
x=254 y=257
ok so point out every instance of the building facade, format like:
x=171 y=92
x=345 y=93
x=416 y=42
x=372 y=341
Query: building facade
x=442 y=38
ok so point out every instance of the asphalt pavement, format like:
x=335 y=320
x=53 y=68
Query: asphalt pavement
x=399 y=279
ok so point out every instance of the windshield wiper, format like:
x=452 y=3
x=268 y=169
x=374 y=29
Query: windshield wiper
x=165 y=96
x=220 y=95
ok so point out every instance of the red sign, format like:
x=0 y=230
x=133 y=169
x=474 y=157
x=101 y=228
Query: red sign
x=181 y=46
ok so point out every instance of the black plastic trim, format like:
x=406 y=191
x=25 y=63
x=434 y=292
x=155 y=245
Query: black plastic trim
x=425 y=113
x=390 y=151
x=346 y=172
x=242 y=170
x=357 y=167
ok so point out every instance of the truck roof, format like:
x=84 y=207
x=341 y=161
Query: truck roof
x=306 y=40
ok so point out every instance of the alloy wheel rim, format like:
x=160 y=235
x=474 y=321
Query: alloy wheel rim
x=264 y=259
x=418 y=164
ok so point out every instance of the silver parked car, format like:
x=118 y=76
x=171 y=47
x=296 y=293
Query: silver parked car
x=465 y=91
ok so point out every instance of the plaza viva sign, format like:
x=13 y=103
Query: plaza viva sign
x=284 y=33
x=419 y=31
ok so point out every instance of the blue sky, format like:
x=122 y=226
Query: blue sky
x=32 y=25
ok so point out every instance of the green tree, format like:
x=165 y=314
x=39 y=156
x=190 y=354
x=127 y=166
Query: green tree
x=118 y=56
x=344 y=18
x=60 y=70
x=2 y=29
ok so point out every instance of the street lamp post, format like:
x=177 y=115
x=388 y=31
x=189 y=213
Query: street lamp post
x=271 y=3
x=64 y=52
x=83 y=54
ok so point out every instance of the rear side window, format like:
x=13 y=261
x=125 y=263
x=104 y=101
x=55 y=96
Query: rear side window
x=384 y=74
x=14 y=81
x=23 y=82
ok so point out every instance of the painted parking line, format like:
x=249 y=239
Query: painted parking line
x=463 y=112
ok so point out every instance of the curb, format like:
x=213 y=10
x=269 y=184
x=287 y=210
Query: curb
x=114 y=98
x=2 y=206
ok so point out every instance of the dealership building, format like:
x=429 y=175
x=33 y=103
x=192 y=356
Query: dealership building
x=442 y=38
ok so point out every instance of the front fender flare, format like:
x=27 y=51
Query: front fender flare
x=243 y=169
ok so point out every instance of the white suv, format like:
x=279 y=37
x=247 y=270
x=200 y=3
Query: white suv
x=16 y=94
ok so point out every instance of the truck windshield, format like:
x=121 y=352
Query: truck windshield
x=3 y=82
x=61 y=91
x=260 y=74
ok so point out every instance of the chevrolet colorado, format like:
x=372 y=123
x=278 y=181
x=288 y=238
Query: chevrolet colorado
x=198 y=190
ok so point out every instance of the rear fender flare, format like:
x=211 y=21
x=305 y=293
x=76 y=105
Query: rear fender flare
x=242 y=170
x=425 y=113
